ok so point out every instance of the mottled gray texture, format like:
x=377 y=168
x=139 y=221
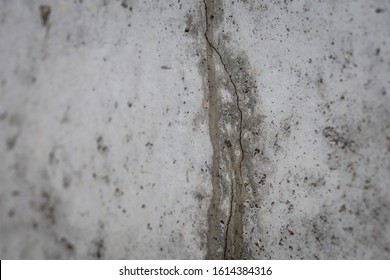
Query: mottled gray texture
x=104 y=137
x=194 y=129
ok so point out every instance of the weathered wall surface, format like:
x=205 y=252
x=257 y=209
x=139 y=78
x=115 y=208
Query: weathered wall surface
x=195 y=129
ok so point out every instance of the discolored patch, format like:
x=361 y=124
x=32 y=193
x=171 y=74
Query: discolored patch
x=45 y=11
x=235 y=127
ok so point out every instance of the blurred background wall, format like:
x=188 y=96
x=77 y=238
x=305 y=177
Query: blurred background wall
x=194 y=129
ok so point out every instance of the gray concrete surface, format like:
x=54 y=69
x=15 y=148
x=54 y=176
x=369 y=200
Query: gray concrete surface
x=194 y=129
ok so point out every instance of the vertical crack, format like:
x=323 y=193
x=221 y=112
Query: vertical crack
x=233 y=229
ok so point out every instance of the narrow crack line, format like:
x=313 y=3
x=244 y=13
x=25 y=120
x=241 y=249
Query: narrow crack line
x=241 y=159
x=231 y=81
x=225 y=249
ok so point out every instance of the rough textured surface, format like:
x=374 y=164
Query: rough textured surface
x=104 y=136
x=195 y=129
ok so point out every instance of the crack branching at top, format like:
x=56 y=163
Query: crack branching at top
x=233 y=220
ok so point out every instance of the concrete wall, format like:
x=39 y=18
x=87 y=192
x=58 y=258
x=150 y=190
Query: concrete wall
x=194 y=129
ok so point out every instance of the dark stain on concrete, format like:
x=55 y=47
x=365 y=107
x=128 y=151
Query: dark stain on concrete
x=125 y=4
x=66 y=244
x=101 y=147
x=99 y=248
x=45 y=11
x=335 y=138
x=11 y=141
x=47 y=207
